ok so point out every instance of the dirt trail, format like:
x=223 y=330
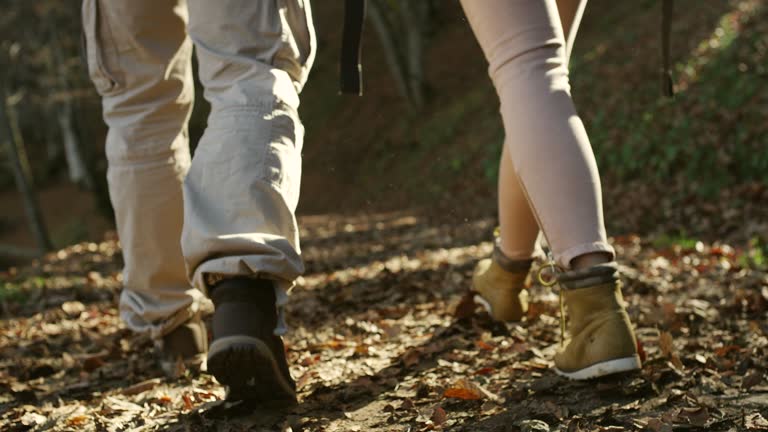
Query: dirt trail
x=376 y=344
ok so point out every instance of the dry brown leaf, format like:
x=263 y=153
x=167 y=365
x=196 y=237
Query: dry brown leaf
x=466 y=307
x=641 y=351
x=484 y=345
x=724 y=351
x=187 y=401
x=752 y=379
x=304 y=379
x=468 y=390
x=407 y=404
x=462 y=393
x=412 y=357
x=77 y=420
x=90 y=364
x=439 y=416
x=163 y=400
x=141 y=387
x=667 y=348
x=666 y=345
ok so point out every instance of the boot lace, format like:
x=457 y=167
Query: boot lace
x=547 y=276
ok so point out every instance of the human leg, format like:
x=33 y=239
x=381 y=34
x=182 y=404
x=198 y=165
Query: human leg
x=243 y=186
x=500 y=286
x=139 y=58
x=547 y=142
x=525 y=47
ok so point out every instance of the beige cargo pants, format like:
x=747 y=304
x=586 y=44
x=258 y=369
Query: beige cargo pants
x=230 y=209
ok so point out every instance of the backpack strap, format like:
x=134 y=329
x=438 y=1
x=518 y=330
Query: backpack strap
x=350 y=69
x=667 y=85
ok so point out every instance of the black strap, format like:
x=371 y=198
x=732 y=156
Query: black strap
x=350 y=70
x=667 y=85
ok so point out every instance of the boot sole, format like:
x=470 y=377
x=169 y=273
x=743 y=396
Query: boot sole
x=247 y=366
x=609 y=367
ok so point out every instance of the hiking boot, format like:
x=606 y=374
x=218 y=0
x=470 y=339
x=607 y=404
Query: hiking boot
x=500 y=286
x=601 y=341
x=245 y=354
x=184 y=348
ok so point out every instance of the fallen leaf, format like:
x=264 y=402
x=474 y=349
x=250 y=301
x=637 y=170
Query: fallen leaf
x=73 y=308
x=407 y=404
x=77 y=420
x=141 y=387
x=666 y=345
x=304 y=379
x=33 y=419
x=90 y=364
x=163 y=400
x=411 y=357
x=468 y=390
x=724 y=351
x=462 y=393
x=752 y=379
x=657 y=425
x=641 y=351
x=466 y=307
x=695 y=416
x=667 y=348
x=484 y=345
x=310 y=360
x=755 y=421
x=187 y=401
x=439 y=416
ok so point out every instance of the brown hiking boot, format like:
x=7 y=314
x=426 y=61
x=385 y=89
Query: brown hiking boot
x=184 y=348
x=245 y=354
x=500 y=286
x=601 y=341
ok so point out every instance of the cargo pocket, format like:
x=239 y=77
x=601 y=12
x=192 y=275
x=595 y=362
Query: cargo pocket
x=93 y=40
x=299 y=43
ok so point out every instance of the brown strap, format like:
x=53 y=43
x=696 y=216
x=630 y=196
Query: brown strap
x=350 y=69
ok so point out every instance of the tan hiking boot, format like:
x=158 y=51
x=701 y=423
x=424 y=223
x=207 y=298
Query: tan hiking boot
x=500 y=286
x=601 y=340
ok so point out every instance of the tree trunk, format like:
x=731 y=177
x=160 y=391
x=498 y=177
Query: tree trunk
x=14 y=145
x=414 y=16
x=78 y=170
x=388 y=40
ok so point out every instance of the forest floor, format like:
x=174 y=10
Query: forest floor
x=381 y=337
x=381 y=340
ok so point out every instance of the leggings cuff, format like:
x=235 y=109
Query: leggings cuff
x=564 y=258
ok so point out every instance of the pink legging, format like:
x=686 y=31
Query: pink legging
x=548 y=175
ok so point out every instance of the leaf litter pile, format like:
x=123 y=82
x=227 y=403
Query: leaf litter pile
x=385 y=337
